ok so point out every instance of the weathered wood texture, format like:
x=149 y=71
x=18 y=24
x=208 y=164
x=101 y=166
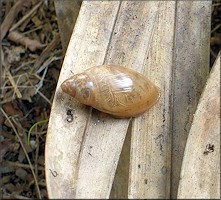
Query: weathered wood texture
x=120 y=185
x=67 y=143
x=67 y=13
x=82 y=155
x=191 y=68
x=200 y=174
x=151 y=135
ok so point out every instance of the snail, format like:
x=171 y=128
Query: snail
x=116 y=90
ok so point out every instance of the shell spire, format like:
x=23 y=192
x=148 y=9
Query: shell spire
x=116 y=90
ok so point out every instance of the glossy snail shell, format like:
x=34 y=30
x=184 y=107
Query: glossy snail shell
x=117 y=90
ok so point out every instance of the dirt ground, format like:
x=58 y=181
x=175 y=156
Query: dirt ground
x=31 y=59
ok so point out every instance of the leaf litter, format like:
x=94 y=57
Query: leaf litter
x=31 y=58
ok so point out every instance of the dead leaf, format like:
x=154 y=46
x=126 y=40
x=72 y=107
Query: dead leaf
x=28 y=93
x=2 y=58
x=13 y=54
x=21 y=173
x=11 y=17
x=54 y=73
x=215 y=40
x=4 y=147
x=47 y=51
x=18 y=37
x=12 y=109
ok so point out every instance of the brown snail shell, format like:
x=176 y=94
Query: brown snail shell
x=117 y=90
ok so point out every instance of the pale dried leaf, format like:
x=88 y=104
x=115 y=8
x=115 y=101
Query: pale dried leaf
x=17 y=37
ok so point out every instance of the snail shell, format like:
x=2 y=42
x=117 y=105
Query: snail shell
x=117 y=90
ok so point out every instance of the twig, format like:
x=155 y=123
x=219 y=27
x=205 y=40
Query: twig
x=24 y=64
x=27 y=113
x=33 y=30
x=19 y=86
x=48 y=62
x=2 y=61
x=44 y=97
x=8 y=99
x=7 y=7
x=217 y=27
x=14 y=196
x=40 y=84
x=17 y=164
x=18 y=37
x=26 y=16
x=213 y=53
x=45 y=54
x=10 y=18
x=25 y=152
x=216 y=4
x=17 y=82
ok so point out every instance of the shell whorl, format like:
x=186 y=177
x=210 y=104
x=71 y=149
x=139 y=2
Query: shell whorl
x=69 y=87
x=116 y=90
x=79 y=86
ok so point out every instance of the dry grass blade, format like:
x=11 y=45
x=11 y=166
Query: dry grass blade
x=2 y=61
x=17 y=164
x=30 y=27
x=47 y=63
x=46 y=52
x=26 y=16
x=10 y=17
x=216 y=28
x=26 y=154
x=11 y=196
x=40 y=84
x=18 y=93
x=44 y=97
